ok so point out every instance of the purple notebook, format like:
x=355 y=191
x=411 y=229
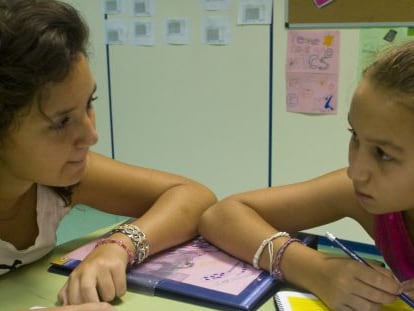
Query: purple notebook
x=195 y=272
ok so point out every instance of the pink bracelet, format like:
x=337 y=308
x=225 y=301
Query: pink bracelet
x=131 y=255
x=277 y=272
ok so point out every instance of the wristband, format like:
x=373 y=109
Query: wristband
x=138 y=238
x=277 y=272
x=269 y=243
x=131 y=255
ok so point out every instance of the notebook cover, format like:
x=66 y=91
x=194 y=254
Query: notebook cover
x=195 y=272
x=291 y=300
x=287 y=300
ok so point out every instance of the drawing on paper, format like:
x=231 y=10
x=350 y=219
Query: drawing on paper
x=312 y=71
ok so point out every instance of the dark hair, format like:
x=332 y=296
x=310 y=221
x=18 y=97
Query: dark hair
x=39 y=42
x=393 y=70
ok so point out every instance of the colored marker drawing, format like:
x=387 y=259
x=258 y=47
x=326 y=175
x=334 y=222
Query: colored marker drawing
x=312 y=71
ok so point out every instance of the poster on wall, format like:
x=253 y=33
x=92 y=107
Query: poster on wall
x=374 y=40
x=312 y=71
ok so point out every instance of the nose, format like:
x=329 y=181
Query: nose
x=358 y=169
x=88 y=136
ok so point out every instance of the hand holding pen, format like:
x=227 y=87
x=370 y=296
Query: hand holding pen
x=356 y=257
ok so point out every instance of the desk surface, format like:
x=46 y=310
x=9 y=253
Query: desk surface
x=33 y=285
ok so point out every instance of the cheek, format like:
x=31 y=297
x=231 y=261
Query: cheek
x=406 y=186
x=93 y=118
x=351 y=152
x=49 y=158
x=398 y=189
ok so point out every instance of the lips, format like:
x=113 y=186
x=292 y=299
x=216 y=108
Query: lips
x=77 y=161
x=79 y=158
x=362 y=195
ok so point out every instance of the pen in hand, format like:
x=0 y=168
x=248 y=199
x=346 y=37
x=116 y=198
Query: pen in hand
x=356 y=257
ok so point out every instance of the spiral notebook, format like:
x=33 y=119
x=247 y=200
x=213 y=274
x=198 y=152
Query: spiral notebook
x=290 y=300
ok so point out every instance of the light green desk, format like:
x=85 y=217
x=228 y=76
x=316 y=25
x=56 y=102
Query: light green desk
x=32 y=285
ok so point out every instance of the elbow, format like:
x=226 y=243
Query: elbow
x=207 y=197
x=199 y=199
x=217 y=215
x=206 y=219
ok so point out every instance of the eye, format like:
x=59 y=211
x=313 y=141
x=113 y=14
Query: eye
x=89 y=105
x=59 y=125
x=383 y=155
x=353 y=133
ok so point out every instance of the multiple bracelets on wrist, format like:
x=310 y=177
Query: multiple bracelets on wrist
x=269 y=243
x=276 y=271
x=274 y=259
x=138 y=239
x=131 y=254
x=141 y=244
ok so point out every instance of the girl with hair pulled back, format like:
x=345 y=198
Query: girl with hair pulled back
x=376 y=190
x=47 y=126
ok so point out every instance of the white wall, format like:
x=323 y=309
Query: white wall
x=196 y=110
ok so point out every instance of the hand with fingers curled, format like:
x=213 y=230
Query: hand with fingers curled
x=101 y=276
x=347 y=285
x=408 y=287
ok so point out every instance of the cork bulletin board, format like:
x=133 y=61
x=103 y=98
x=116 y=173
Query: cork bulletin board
x=350 y=13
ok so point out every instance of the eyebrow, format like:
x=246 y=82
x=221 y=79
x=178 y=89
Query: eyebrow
x=381 y=142
x=66 y=111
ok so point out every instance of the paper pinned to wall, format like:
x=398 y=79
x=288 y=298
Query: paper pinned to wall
x=322 y=3
x=143 y=33
x=177 y=30
x=215 y=5
x=254 y=12
x=143 y=7
x=374 y=40
x=116 y=32
x=312 y=71
x=216 y=30
x=113 y=6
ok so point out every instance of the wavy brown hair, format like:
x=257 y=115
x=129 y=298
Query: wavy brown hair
x=40 y=40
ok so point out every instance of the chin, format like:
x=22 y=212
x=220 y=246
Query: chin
x=375 y=210
x=63 y=182
x=71 y=182
x=66 y=177
x=70 y=177
x=60 y=184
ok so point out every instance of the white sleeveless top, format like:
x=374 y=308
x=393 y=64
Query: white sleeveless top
x=50 y=210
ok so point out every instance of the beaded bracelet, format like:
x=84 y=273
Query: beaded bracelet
x=131 y=255
x=138 y=238
x=269 y=243
x=277 y=272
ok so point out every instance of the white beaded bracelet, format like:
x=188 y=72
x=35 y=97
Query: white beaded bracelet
x=269 y=244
